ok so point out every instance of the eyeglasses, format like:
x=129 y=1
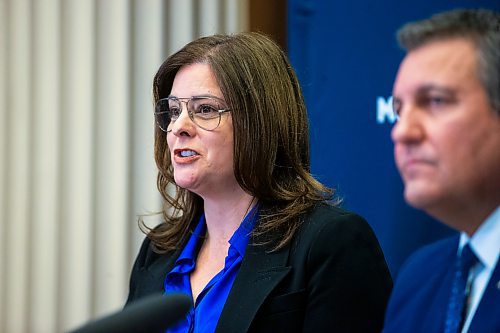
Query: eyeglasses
x=204 y=111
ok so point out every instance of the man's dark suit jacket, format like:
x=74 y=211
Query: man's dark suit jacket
x=333 y=277
x=422 y=291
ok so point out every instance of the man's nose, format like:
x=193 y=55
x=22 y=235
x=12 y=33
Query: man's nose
x=408 y=127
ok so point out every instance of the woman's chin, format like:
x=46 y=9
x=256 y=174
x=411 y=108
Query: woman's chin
x=187 y=183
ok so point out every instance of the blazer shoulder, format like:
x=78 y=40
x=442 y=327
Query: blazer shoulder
x=146 y=254
x=329 y=231
x=149 y=271
x=333 y=221
x=432 y=257
x=422 y=288
x=338 y=256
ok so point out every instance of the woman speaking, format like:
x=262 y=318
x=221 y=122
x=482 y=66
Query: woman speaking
x=248 y=233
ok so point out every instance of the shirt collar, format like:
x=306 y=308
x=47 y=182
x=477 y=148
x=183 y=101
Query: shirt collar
x=239 y=240
x=485 y=240
x=186 y=260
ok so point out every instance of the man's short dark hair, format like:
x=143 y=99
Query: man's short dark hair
x=481 y=26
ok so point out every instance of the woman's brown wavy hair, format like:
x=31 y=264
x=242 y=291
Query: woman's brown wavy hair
x=271 y=138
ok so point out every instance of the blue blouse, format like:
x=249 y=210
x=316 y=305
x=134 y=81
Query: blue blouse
x=209 y=304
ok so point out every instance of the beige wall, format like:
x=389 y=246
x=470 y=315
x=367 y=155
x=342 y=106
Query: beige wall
x=76 y=130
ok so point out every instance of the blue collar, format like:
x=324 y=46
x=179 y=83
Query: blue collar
x=185 y=263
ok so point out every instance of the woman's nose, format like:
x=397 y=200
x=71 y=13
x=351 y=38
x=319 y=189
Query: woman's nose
x=183 y=125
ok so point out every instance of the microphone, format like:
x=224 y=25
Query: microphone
x=150 y=314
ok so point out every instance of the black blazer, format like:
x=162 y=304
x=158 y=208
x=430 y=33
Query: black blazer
x=332 y=277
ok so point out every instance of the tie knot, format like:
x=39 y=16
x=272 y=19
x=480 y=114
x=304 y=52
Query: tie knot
x=467 y=258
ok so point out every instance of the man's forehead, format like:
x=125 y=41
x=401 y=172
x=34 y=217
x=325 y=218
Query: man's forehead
x=448 y=64
x=429 y=87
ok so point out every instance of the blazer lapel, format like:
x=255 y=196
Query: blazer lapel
x=259 y=274
x=153 y=278
x=487 y=316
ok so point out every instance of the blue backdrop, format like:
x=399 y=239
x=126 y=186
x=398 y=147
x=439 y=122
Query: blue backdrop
x=346 y=56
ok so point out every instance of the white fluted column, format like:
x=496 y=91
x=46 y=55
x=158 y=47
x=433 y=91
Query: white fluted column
x=45 y=166
x=76 y=147
x=112 y=132
x=4 y=22
x=236 y=15
x=211 y=17
x=77 y=162
x=19 y=169
x=147 y=56
x=181 y=24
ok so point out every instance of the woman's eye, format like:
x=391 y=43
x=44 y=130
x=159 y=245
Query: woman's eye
x=206 y=110
x=175 y=112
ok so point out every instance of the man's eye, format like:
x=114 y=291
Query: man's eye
x=396 y=106
x=436 y=100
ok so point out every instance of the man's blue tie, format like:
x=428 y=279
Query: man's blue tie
x=456 y=305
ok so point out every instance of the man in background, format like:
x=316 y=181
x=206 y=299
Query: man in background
x=447 y=150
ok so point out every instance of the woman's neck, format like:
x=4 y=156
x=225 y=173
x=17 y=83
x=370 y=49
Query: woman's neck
x=224 y=216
